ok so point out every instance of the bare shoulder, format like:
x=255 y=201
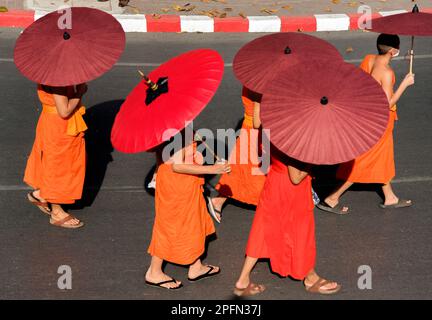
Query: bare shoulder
x=382 y=73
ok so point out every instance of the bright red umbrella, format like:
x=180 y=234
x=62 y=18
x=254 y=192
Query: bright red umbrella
x=184 y=86
x=331 y=113
x=260 y=61
x=54 y=54
x=412 y=24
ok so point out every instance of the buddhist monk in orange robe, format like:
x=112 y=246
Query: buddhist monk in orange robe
x=181 y=222
x=283 y=229
x=56 y=166
x=247 y=178
x=377 y=165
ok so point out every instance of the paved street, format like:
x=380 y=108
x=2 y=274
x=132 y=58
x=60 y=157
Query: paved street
x=108 y=256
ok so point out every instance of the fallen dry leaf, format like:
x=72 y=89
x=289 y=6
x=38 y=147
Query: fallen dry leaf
x=156 y=16
x=3 y=9
x=165 y=10
x=268 y=11
x=288 y=7
x=176 y=7
x=223 y=15
x=349 y=50
x=241 y=14
x=336 y=1
x=228 y=9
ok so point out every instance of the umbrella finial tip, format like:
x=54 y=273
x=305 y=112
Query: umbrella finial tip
x=66 y=35
x=324 y=101
x=416 y=9
x=287 y=50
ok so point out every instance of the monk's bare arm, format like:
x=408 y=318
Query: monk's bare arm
x=180 y=166
x=65 y=106
x=387 y=85
x=196 y=169
x=296 y=175
x=256 y=116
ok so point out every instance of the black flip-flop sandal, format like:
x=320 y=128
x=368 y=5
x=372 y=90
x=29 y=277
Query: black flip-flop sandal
x=205 y=275
x=160 y=284
x=338 y=209
x=402 y=203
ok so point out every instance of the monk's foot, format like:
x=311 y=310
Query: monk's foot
x=36 y=194
x=394 y=201
x=315 y=284
x=200 y=271
x=59 y=215
x=160 y=279
x=333 y=203
x=218 y=204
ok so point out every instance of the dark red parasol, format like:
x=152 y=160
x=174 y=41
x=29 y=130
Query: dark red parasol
x=182 y=88
x=69 y=47
x=260 y=61
x=331 y=113
x=413 y=24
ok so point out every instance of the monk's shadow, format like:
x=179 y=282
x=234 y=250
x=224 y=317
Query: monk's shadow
x=99 y=119
x=325 y=182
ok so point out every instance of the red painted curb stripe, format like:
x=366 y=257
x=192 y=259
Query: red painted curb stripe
x=293 y=24
x=234 y=24
x=164 y=23
x=16 y=18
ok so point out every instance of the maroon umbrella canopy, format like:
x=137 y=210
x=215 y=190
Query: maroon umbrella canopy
x=50 y=54
x=331 y=113
x=260 y=61
x=413 y=23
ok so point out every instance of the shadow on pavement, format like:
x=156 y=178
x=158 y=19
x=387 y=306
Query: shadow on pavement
x=99 y=119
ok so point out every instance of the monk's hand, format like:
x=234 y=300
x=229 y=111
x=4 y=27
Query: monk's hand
x=409 y=80
x=221 y=168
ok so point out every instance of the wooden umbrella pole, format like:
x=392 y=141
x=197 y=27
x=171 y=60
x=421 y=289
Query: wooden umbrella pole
x=208 y=147
x=411 y=55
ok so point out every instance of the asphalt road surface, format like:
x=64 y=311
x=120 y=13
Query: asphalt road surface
x=108 y=256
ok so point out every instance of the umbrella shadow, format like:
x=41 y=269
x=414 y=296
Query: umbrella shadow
x=99 y=119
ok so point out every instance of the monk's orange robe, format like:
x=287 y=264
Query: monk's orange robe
x=243 y=183
x=182 y=222
x=377 y=165
x=57 y=161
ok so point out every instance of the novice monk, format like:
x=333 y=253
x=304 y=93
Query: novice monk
x=181 y=223
x=246 y=180
x=377 y=165
x=56 y=166
x=283 y=229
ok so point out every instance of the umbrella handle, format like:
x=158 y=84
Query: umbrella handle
x=150 y=83
x=411 y=61
x=411 y=56
x=208 y=147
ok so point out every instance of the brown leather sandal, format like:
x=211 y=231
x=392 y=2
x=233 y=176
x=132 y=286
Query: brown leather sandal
x=62 y=223
x=251 y=290
x=45 y=207
x=317 y=287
